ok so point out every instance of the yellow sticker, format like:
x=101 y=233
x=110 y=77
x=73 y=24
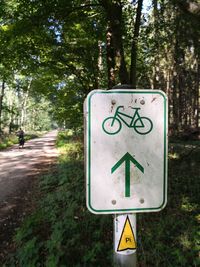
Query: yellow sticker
x=127 y=239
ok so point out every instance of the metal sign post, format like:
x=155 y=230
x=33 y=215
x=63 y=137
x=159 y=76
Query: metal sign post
x=126 y=160
x=124 y=234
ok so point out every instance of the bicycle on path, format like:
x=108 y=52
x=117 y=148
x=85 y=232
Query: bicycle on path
x=113 y=125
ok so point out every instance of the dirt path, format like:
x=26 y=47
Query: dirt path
x=19 y=169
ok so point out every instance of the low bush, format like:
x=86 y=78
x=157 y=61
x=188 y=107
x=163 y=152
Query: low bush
x=11 y=139
x=8 y=140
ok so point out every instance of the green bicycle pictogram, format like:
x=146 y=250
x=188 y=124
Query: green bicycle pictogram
x=113 y=125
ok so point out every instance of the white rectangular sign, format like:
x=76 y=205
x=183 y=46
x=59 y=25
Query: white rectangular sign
x=126 y=150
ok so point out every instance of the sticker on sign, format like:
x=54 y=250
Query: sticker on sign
x=126 y=150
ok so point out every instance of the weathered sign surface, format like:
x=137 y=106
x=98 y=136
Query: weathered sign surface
x=126 y=150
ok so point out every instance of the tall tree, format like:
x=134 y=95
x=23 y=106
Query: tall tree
x=134 y=48
x=115 y=48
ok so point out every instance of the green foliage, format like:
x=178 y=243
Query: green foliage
x=171 y=238
x=9 y=140
x=24 y=107
x=55 y=44
x=6 y=141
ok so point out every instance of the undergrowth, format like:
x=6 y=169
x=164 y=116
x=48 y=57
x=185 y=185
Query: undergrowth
x=6 y=141
x=171 y=238
x=11 y=139
x=62 y=233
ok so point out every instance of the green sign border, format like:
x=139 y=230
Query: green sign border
x=88 y=154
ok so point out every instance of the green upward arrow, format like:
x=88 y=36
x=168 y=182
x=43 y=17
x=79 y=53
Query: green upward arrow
x=127 y=158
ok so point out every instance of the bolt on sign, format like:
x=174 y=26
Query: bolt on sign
x=126 y=150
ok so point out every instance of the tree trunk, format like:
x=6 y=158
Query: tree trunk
x=197 y=100
x=1 y=103
x=23 y=109
x=133 y=69
x=110 y=57
x=24 y=104
x=183 y=118
x=99 y=65
x=175 y=102
x=113 y=10
x=156 y=68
